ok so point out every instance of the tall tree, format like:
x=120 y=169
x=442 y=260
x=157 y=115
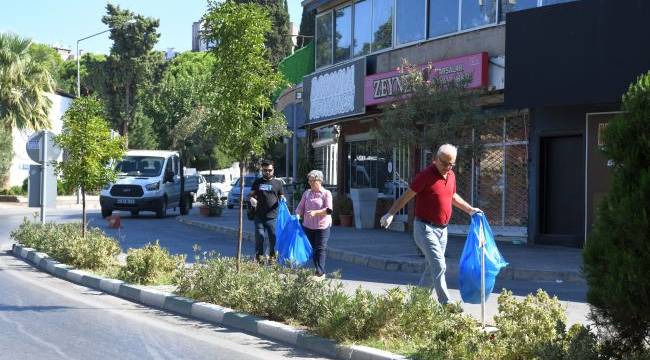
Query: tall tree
x=278 y=40
x=24 y=83
x=90 y=149
x=178 y=94
x=91 y=73
x=131 y=63
x=49 y=58
x=307 y=26
x=616 y=252
x=243 y=79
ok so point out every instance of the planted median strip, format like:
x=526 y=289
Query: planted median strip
x=287 y=305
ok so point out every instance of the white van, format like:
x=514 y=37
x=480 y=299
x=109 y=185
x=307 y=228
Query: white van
x=149 y=180
x=220 y=180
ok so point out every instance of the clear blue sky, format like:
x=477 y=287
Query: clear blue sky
x=61 y=23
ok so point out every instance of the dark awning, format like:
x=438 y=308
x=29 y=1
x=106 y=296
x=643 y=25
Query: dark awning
x=581 y=52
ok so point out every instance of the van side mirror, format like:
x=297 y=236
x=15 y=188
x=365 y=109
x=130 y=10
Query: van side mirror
x=169 y=176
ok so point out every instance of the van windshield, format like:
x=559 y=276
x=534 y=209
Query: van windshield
x=215 y=178
x=146 y=166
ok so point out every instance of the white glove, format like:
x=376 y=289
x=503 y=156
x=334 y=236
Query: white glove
x=386 y=220
x=298 y=217
x=475 y=211
x=253 y=201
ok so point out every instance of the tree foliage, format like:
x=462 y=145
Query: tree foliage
x=90 y=148
x=616 y=253
x=131 y=64
x=242 y=81
x=278 y=40
x=49 y=58
x=307 y=26
x=24 y=83
x=91 y=74
x=429 y=112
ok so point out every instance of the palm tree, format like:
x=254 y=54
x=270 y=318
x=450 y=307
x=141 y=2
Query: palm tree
x=23 y=87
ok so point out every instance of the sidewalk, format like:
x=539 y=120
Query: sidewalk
x=396 y=251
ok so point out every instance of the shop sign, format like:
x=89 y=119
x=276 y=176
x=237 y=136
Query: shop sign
x=384 y=87
x=336 y=92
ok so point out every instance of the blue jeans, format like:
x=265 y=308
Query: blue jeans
x=264 y=226
x=432 y=241
x=318 y=240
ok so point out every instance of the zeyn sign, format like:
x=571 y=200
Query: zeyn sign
x=384 y=87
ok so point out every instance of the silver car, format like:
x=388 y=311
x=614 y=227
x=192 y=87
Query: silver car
x=233 y=196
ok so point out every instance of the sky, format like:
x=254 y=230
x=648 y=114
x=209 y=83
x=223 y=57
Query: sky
x=61 y=23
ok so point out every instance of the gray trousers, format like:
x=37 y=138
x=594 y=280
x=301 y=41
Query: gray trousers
x=432 y=241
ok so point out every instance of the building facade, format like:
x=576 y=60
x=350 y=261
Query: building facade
x=359 y=46
x=572 y=81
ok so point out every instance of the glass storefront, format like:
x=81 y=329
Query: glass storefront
x=443 y=17
x=342 y=33
x=324 y=39
x=410 y=21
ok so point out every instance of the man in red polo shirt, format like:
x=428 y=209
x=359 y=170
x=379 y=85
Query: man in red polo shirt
x=434 y=189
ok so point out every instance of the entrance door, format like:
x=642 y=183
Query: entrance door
x=562 y=191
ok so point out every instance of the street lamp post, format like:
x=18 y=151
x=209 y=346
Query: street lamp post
x=88 y=37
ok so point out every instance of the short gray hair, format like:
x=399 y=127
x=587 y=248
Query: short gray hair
x=316 y=174
x=447 y=149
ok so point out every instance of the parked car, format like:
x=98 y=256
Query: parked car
x=233 y=196
x=149 y=180
x=220 y=180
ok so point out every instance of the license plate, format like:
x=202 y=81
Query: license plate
x=126 y=201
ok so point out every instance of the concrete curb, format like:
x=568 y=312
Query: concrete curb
x=391 y=264
x=204 y=311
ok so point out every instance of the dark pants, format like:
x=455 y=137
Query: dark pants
x=261 y=226
x=318 y=240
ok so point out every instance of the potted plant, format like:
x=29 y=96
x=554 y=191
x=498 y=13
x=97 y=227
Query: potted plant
x=343 y=210
x=211 y=204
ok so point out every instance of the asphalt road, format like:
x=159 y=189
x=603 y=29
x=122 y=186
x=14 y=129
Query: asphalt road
x=43 y=317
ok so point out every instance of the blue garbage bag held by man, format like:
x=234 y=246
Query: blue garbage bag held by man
x=292 y=245
x=469 y=275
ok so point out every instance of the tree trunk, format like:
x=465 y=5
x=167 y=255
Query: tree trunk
x=241 y=211
x=83 y=212
x=127 y=116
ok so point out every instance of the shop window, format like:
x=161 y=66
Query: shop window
x=507 y=6
x=325 y=160
x=382 y=24
x=362 y=23
x=342 y=33
x=410 y=21
x=324 y=41
x=367 y=166
x=443 y=17
x=476 y=13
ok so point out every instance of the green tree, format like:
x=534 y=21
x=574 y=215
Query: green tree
x=616 y=253
x=307 y=26
x=131 y=64
x=49 y=58
x=278 y=39
x=178 y=94
x=242 y=82
x=91 y=73
x=24 y=84
x=90 y=148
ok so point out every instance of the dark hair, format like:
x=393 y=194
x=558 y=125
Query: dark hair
x=266 y=163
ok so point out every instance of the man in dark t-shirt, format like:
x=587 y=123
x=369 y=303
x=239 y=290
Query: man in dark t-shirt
x=264 y=197
x=434 y=189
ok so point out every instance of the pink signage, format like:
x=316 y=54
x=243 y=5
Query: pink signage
x=382 y=88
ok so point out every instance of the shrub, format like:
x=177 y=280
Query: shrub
x=616 y=253
x=64 y=243
x=151 y=264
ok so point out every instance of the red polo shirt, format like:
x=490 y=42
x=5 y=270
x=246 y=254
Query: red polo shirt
x=434 y=195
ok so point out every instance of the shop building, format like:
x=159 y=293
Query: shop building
x=358 y=47
x=571 y=77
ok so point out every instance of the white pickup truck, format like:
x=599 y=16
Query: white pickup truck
x=149 y=180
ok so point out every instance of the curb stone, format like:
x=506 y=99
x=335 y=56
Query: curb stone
x=204 y=311
x=407 y=266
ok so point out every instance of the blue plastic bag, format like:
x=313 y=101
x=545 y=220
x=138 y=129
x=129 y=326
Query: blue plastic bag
x=470 y=261
x=291 y=242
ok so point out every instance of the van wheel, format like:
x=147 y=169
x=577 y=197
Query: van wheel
x=187 y=205
x=106 y=212
x=162 y=210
